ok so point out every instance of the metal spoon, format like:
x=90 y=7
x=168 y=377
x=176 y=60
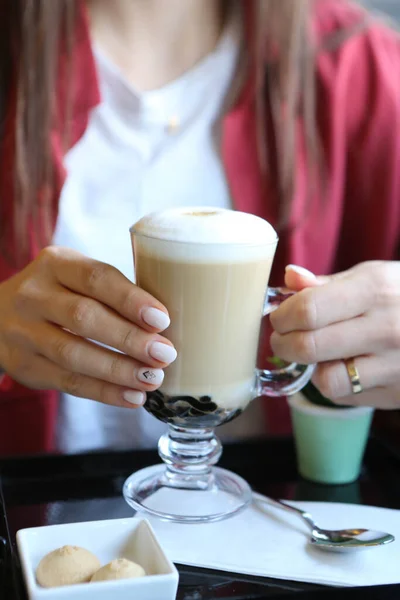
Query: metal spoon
x=341 y=540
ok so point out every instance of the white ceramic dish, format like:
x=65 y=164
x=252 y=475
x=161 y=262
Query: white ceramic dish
x=133 y=539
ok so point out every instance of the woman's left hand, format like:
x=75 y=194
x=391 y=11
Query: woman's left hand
x=354 y=314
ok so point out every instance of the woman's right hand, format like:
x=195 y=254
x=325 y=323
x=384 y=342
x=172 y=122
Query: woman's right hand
x=53 y=312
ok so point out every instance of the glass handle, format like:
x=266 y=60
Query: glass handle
x=283 y=379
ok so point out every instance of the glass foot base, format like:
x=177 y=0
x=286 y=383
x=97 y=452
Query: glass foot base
x=154 y=491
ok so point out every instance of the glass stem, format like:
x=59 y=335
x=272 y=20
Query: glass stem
x=189 y=455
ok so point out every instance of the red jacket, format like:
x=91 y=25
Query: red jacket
x=356 y=218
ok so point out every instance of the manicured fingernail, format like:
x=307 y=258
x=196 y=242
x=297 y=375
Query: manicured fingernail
x=163 y=352
x=133 y=397
x=151 y=376
x=155 y=318
x=301 y=271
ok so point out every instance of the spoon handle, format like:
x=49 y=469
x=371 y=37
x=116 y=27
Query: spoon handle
x=307 y=518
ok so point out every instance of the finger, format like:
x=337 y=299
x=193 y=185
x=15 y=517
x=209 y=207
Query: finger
x=384 y=398
x=340 y=340
x=106 y=284
x=333 y=380
x=44 y=374
x=297 y=278
x=338 y=300
x=76 y=354
x=89 y=318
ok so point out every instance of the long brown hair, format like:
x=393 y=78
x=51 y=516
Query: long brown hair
x=31 y=34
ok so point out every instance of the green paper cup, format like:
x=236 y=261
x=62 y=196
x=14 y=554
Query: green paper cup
x=330 y=442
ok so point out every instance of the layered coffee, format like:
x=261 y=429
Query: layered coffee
x=210 y=268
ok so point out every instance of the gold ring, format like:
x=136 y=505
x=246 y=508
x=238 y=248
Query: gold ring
x=354 y=376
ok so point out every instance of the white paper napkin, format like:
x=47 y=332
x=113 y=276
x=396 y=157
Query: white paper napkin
x=268 y=542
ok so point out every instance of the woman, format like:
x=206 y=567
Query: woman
x=113 y=109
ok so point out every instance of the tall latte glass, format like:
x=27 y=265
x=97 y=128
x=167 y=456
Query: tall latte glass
x=210 y=268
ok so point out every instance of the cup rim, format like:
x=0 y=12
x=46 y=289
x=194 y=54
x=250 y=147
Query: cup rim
x=302 y=404
x=205 y=243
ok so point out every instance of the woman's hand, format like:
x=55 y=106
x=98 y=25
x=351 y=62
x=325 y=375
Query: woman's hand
x=355 y=314
x=50 y=312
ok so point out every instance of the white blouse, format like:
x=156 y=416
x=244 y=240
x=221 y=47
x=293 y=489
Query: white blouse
x=130 y=162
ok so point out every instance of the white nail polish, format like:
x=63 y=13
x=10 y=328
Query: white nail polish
x=134 y=397
x=301 y=271
x=163 y=352
x=151 y=376
x=155 y=318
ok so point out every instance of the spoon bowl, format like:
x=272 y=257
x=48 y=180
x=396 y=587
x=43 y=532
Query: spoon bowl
x=349 y=540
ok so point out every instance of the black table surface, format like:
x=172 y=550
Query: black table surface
x=49 y=490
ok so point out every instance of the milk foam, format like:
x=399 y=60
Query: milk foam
x=205 y=234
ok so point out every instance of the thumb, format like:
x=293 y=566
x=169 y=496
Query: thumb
x=297 y=278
